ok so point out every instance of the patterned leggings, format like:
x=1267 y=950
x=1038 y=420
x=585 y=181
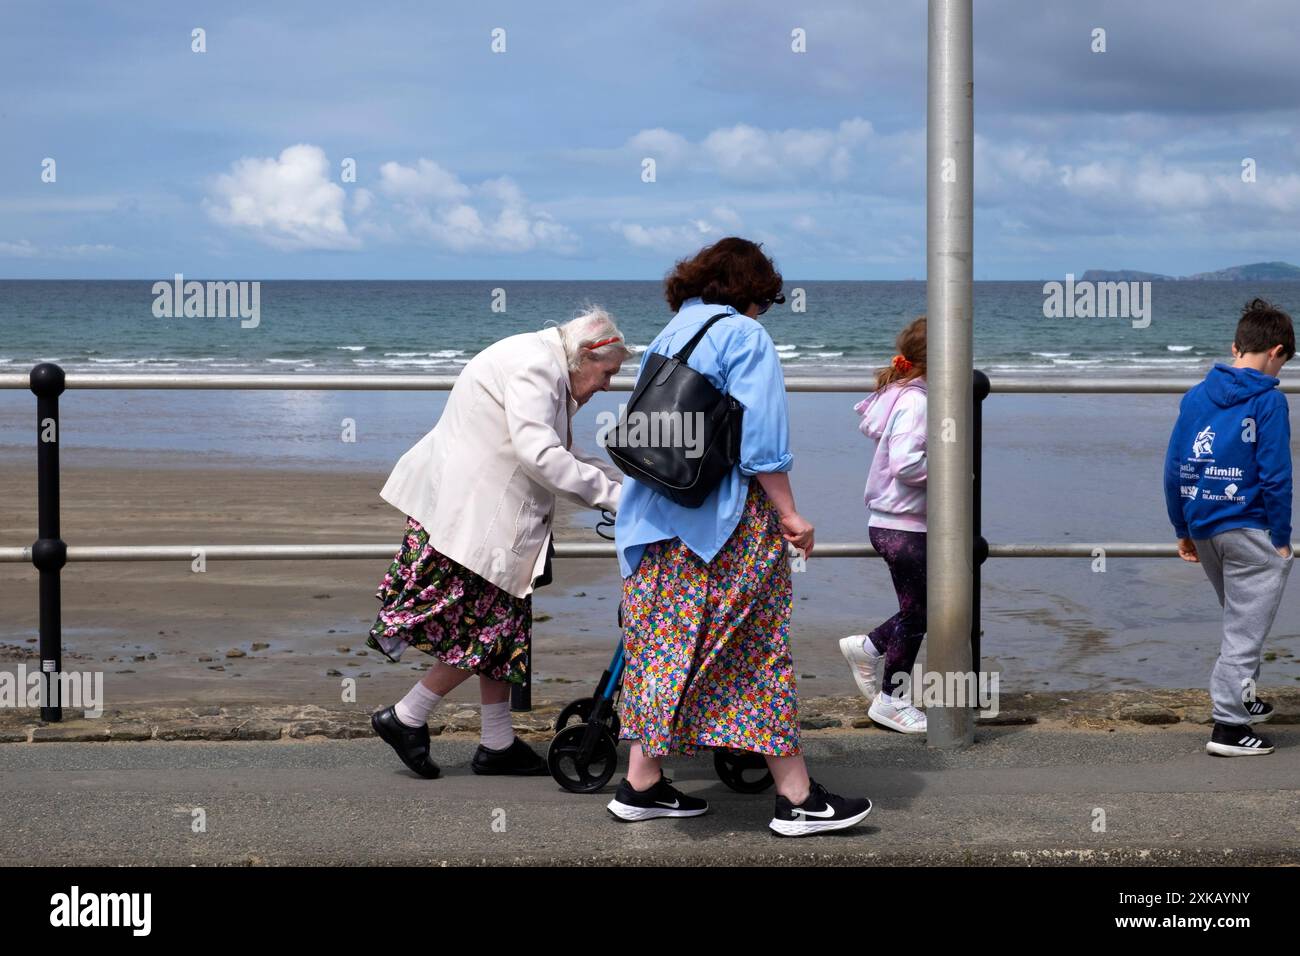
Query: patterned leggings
x=899 y=638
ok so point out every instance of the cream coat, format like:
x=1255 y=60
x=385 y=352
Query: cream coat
x=483 y=483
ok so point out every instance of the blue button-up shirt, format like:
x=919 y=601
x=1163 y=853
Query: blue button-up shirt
x=737 y=356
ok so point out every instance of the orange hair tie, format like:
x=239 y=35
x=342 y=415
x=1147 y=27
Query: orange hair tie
x=901 y=364
x=596 y=345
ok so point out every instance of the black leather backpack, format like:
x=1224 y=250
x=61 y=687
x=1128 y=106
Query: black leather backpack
x=671 y=400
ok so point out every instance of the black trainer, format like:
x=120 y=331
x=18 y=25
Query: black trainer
x=661 y=800
x=411 y=743
x=1259 y=711
x=1243 y=741
x=822 y=812
x=517 y=760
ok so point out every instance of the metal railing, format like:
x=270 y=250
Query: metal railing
x=49 y=552
x=184 y=381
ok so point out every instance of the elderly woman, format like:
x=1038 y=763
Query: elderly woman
x=706 y=591
x=479 y=495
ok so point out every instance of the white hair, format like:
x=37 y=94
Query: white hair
x=592 y=325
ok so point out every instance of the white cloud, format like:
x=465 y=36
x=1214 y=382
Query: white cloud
x=1002 y=170
x=675 y=240
x=663 y=145
x=426 y=181
x=289 y=202
x=432 y=203
x=749 y=154
x=1150 y=184
x=681 y=238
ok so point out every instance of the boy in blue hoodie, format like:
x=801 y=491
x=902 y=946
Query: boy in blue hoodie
x=1228 y=491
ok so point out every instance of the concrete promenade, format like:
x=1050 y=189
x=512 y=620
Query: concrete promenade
x=1025 y=794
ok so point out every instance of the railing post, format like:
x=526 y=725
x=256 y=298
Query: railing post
x=977 y=528
x=49 y=553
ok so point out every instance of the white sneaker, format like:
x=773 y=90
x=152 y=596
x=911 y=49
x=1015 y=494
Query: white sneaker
x=904 y=718
x=864 y=665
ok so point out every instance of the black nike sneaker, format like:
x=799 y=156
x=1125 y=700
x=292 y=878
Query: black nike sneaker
x=661 y=800
x=1259 y=711
x=1243 y=741
x=822 y=812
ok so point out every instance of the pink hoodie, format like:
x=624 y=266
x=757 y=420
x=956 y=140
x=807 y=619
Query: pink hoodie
x=895 y=418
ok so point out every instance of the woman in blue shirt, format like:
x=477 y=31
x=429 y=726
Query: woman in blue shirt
x=706 y=591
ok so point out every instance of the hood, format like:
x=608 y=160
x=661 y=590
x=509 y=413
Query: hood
x=876 y=408
x=1227 y=386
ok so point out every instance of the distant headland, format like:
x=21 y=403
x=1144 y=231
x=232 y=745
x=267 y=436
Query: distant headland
x=1254 y=272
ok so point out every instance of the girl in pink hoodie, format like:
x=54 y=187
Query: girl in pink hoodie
x=894 y=417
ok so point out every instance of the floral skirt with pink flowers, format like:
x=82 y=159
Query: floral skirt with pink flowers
x=707 y=646
x=440 y=607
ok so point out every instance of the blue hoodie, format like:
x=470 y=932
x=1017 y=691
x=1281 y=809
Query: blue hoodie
x=1229 y=459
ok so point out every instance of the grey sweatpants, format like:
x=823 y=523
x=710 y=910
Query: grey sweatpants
x=1248 y=576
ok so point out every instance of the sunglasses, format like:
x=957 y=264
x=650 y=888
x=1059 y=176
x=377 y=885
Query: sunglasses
x=779 y=300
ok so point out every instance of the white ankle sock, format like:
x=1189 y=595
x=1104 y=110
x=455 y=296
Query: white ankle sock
x=414 y=709
x=497 y=731
x=870 y=648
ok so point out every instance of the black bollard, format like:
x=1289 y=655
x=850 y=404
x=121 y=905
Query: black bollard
x=982 y=388
x=49 y=553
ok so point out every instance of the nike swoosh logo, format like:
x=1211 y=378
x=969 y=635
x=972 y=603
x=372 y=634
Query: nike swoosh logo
x=671 y=806
x=828 y=812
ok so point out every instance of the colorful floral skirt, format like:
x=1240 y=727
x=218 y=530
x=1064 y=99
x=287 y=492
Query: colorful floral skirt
x=440 y=607
x=706 y=646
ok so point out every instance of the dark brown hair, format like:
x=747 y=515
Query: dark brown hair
x=911 y=346
x=732 y=272
x=1262 y=326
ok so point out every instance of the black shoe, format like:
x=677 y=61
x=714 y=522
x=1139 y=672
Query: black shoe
x=517 y=760
x=411 y=743
x=1233 y=741
x=1259 y=711
x=661 y=800
x=822 y=812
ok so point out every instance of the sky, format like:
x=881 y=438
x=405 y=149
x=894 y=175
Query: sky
x=511 y=140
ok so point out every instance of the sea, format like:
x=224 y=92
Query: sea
x=434 y=327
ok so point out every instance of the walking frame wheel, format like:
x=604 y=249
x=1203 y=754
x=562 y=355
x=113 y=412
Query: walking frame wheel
x=581 y=710
x=578 y=772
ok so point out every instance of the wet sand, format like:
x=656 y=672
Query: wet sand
x=1050 y=625
x=147 y=624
